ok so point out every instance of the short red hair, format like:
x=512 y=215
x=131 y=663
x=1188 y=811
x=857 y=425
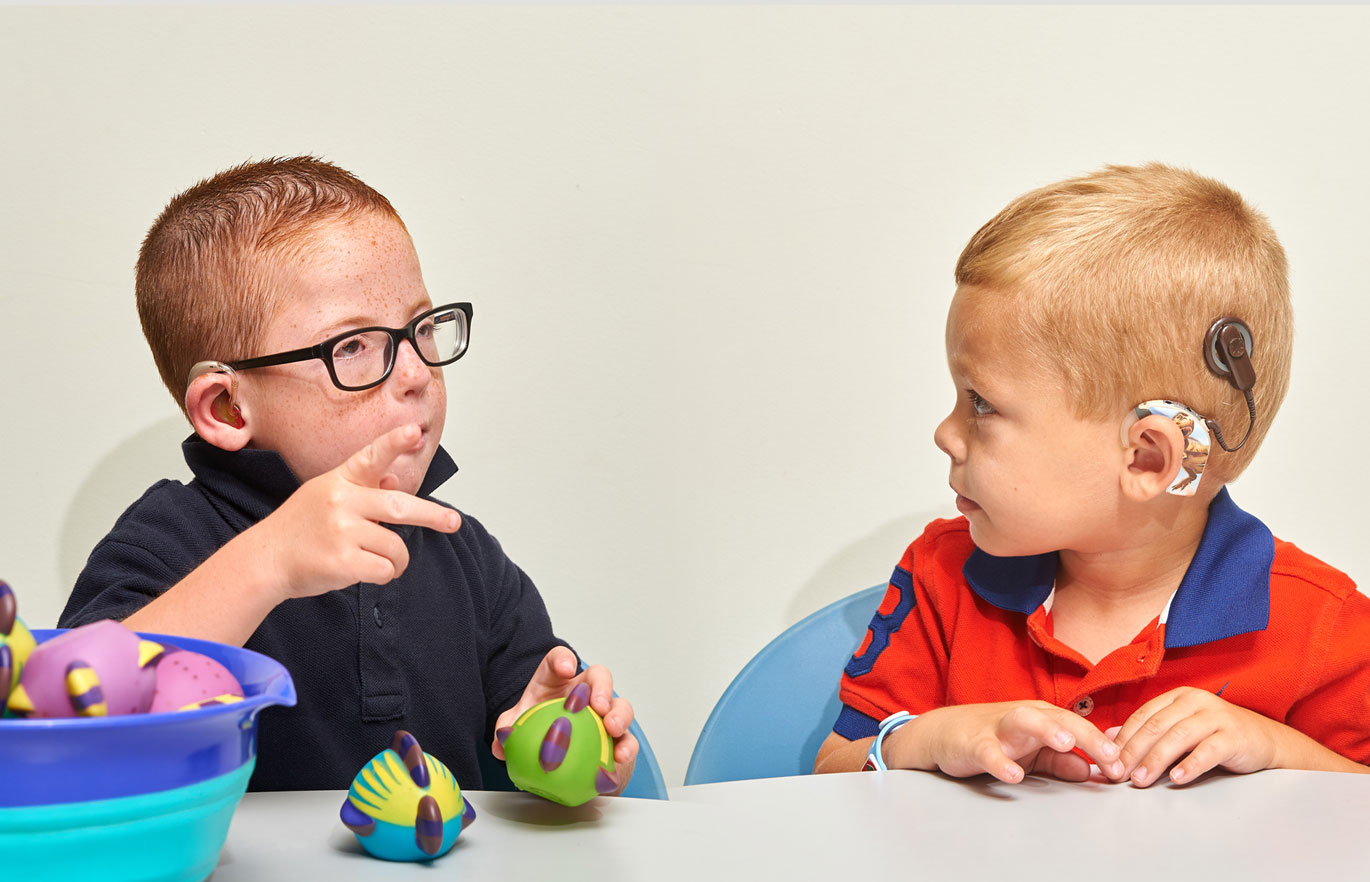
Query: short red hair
x=207 y=272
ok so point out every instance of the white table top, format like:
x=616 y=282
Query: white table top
x=297 y=836
x=1274 y=824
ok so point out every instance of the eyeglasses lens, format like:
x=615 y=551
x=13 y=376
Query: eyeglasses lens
x=441 y=337
x=365 y=357
x=362 y=358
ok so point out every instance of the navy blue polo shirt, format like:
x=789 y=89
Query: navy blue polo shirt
x=441 y=651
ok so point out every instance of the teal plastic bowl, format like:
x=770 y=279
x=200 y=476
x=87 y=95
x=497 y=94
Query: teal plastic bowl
x=137 y=797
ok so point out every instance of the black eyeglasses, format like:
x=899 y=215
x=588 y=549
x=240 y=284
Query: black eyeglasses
x=364 y=357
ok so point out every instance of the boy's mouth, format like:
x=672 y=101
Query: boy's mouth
x=966 y=506
x=420 y=443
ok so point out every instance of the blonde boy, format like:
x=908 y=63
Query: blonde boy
x=287 y=314
x=1120 y=343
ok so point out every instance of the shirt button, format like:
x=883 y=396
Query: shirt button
x=376 y=614
x=1084 y=706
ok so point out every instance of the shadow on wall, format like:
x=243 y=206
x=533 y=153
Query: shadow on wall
x=115 y=482
x=851 y=569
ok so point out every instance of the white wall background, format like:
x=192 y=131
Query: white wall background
x=709 y=248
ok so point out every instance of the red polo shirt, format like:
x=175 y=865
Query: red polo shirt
x=1254 y=620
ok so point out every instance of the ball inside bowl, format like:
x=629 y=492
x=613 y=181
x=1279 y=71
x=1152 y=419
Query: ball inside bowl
x=138 y=796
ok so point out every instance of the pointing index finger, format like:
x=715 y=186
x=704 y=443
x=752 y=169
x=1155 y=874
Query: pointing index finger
x=369 y=466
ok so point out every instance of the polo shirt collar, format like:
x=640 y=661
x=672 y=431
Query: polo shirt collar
x=1225 y=591
x=258 y=481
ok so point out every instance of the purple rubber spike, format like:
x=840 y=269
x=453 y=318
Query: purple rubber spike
x=468 y=814
x=605 y=783
x=578 y=699
x=93 y=695
x=9 y=609
x=428 y=826
x=407 y=746
x=356 y=820
x=6 y=671
x=554 y=746
x=502 y=735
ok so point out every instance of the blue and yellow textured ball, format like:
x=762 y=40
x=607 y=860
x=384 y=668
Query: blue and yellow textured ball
x=561 y=751
x=405 y=805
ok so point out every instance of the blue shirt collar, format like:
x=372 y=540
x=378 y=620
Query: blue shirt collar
x=1225 y=591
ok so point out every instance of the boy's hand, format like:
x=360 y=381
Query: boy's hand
x=1006 y=739
x=1205 y=730
x=555 y=678
x=329 y=533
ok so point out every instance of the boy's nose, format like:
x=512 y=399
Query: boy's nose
x=949 y=439
x=410 y=371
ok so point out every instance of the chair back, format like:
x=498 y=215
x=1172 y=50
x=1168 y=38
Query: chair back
x=647 y=782
x=779 y=708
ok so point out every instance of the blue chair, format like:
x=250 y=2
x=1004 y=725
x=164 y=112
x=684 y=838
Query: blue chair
x=777 y=711
x=646 y=782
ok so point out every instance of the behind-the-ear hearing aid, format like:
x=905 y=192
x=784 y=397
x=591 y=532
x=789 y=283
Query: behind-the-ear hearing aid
x=1196 y=445
x=223 y=407
x=1227 y=351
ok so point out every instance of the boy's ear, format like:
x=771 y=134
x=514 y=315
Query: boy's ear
x=1154 y=451
x=214 y=411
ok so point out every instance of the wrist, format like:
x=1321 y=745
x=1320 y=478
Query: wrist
x=263 y=569
x=910 y=747
x=1292 y=749
x=224 y=599
x=875 y=757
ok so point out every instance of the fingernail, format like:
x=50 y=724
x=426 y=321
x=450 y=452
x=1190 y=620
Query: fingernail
x=1109 y=750
x=1115 y=769
x=1062 y=738
x=502 y=735
x=1177 y=774
x=453 y=521
x=1139 y=775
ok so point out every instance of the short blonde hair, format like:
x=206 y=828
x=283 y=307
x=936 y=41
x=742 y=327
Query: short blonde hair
x=1115 y=278
x=207 y=274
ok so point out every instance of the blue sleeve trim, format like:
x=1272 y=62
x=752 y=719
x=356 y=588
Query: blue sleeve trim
x=852 y=724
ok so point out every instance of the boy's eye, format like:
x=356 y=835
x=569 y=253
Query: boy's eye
x=424 y=330
x=980 y=406
x=350 y=348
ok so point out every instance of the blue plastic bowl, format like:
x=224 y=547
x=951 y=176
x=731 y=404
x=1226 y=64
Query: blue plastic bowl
x=136 y=797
